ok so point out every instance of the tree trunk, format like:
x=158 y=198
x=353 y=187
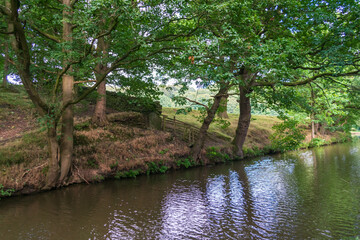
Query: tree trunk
x=312 y=129
x=99 y=116
x=199 y=143
x=312 y=116
x=322 y=129
x=317 y=127
x=68 y=115
x=223 y=107
x=53 y=173
x=243 y=123
x=6 y=64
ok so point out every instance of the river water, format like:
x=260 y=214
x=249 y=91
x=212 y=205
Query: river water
x=303 y=194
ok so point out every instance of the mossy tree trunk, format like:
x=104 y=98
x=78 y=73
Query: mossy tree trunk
x=223 y=108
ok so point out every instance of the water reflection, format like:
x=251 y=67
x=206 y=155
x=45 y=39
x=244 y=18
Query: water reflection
x=305 y=194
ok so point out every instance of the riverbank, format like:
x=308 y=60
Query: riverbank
x=124 y=148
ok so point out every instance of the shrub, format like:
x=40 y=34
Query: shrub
x=187 y=162
x=92 y=163
x=287 y=135
x=317 y=142
x=5 y=193
x=214 y=155
x=128 y=174
x=156 y=168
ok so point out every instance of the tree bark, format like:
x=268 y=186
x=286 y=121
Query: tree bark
x=199 y=143
x=20 y=47
x=312 y=128
x=68 y=114
x=243 y=123
x=312 y=116
x=99 y=116
x=223 y=105
x=54 y=169
x=6 y=64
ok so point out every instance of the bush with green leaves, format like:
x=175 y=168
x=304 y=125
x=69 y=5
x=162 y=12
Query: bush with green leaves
x=287 y=135
x=156 y=167
x=187 y=162
x=5 y=193
x=216 y=156
x=129 y=174
x=317 y=142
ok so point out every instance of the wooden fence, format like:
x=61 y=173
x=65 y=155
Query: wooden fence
x=182 y=130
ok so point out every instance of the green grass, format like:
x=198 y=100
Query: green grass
x=260 y=126
x=30 y=146
x=15 y=97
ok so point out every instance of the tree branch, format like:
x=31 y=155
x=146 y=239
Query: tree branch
x=4 y=10
x=58 y=80
x=85 y=81
x=196 y=102
x=47 y=35
x=12 y=32
x=73 y=2
x=309 y=80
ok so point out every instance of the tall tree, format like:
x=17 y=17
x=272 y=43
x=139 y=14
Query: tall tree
x=59 y=44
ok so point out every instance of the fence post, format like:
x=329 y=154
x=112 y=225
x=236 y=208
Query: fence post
x=163 y=123
x=174 y=125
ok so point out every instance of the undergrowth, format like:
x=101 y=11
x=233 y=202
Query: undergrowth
x=214 y=155
x=186 y=162
x=156 y=167
x=5 y=193
x=128 y=174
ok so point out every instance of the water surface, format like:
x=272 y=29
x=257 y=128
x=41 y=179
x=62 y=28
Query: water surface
x=298 y=195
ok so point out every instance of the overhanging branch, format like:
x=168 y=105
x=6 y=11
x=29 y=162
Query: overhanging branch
x=47 y=35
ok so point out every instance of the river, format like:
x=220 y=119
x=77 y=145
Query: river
x=297 y=195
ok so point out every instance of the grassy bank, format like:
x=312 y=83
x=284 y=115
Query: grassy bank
x=259 y=131
x=124 y=148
